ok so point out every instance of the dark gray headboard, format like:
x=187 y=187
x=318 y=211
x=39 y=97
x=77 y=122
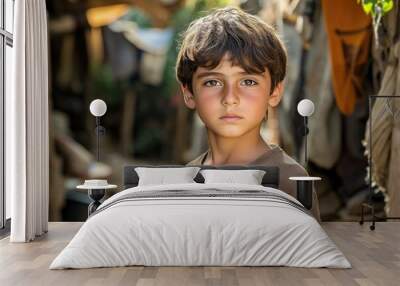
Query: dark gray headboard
x=270 y=179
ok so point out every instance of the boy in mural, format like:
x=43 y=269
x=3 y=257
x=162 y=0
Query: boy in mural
x=231 y=66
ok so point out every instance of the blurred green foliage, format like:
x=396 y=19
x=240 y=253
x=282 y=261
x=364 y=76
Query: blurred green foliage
x=376 y=6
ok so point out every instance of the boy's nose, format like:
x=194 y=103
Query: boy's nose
x=230 y=96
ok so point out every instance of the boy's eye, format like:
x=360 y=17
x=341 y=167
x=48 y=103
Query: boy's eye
x=249 y=82
x=211 y=83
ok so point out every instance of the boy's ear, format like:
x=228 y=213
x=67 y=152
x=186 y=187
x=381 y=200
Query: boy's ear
x=188 y=97
x=276 y=95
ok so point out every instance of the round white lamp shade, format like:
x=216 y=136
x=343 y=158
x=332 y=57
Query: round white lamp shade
x=98 y=107
x=305 y=107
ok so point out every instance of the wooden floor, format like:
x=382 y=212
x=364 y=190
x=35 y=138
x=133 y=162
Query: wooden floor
x=375 y=256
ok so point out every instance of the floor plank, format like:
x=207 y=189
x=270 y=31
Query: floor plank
x=375 y=257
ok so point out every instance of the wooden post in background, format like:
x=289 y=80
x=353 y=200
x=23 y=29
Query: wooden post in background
x=181 y=134
x=127 y=123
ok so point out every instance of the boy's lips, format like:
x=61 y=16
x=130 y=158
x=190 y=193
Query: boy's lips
x=230 y=117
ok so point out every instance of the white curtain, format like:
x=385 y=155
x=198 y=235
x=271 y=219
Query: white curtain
x=27 y=140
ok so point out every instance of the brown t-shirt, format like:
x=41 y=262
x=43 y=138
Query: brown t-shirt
x=288 y=167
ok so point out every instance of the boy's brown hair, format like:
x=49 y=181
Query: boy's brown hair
x=251 y=43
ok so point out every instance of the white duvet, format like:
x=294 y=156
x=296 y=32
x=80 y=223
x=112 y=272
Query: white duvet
x=190 y=230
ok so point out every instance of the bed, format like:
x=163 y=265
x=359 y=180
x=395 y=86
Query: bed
x=201 y=224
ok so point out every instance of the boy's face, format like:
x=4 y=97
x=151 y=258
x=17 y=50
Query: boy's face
x=230 y=101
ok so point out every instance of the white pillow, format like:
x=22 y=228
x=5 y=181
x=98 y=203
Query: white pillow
x=162 y=176
x=249 y=177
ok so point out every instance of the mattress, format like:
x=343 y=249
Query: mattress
x=201 y=225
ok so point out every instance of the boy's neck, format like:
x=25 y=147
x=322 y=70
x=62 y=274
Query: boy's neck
x=234 y=151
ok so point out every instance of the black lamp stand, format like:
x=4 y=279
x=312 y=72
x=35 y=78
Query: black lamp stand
x=305 y=133
x=96 y=194
x=305 y=186
x=100 y=130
